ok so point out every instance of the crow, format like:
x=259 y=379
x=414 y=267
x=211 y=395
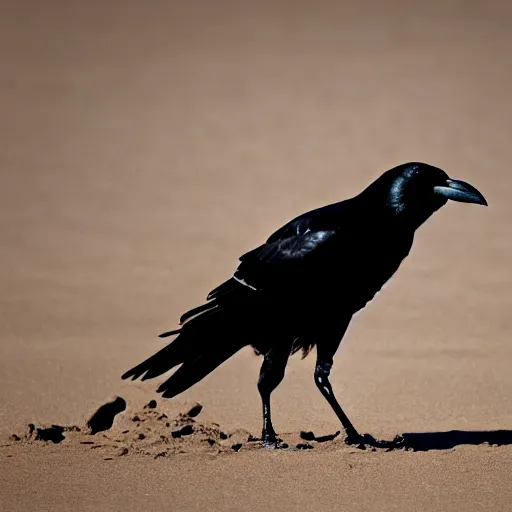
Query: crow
x=301 y=288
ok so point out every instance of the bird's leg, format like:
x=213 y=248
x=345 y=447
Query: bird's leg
x=325 y=352
x=271 y=374
x=322 y=371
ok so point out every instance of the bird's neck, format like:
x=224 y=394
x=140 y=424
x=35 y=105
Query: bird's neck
x=394 y=206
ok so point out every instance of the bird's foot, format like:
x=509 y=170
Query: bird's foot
x=357 y=440
x=278 y=444
x=270 y=441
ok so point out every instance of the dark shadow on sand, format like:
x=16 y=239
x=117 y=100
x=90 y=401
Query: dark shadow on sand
x=310 y=436
x=425 y=441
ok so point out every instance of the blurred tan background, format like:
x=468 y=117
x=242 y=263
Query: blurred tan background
x=144 y=146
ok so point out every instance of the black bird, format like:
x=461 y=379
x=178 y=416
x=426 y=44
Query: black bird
x=302 y=287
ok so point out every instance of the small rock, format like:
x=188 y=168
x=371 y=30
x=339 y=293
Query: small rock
x=211 y=442
x=237 y=447
x=123 y=451
x=55 y=433
x=103 y=418
x=14 y=437
x=223 y=435
x=183 y=431
x=150 y=405
x=194 y=411
x=141 y=436
x=304 y=446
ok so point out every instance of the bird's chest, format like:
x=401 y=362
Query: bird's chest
x=360 y=270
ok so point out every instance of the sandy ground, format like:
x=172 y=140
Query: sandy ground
x=146 y=145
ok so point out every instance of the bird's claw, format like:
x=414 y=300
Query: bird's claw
x=357 y=440
x=272 y=442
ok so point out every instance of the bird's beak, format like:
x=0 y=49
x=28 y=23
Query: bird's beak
x=460 y=191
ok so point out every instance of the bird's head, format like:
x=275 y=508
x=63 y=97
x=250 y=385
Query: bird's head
x=414 y=191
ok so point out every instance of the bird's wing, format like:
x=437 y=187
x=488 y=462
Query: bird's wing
x=292 y=248
x=272 y=264
x=283 y=260
x=289 y=250
x=325 y=218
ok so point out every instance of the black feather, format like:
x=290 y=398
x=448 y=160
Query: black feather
x=196 y=311
x=169 y=333
x=194 y=370
x=165 y=359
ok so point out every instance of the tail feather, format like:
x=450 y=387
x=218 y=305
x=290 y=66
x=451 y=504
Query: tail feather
x=164 y=360
x=224 y=289
x=192 y=343
x=192 y=371
x=211 y=334
x=169 y=333
x=195 y=311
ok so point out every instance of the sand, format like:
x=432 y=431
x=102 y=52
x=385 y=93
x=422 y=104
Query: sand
x=145 y=146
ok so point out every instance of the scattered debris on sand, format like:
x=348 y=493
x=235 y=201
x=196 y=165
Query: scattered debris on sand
x=103 y=418
x=154 y=431
x=148 y=431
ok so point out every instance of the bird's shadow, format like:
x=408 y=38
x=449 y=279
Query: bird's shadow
x=426 y=441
